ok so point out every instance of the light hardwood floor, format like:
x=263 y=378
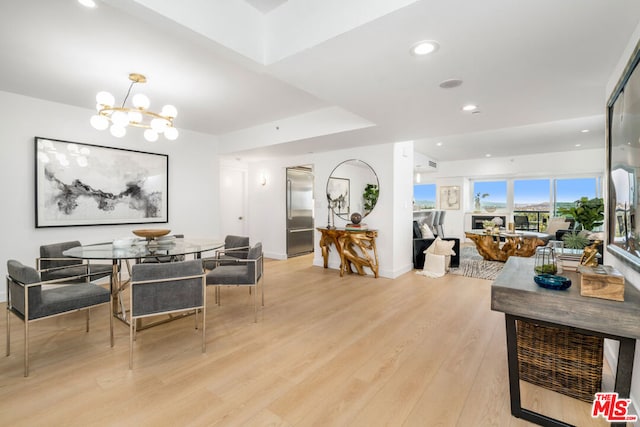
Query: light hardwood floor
x=326 y=351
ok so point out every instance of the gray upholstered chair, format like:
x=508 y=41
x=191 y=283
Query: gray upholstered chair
x=166 y=288
x=28 y=300
x=235 y=247
x=52 y=264
x=243 y=272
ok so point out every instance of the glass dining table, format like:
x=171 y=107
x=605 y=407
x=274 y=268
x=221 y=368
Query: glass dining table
x=140 y=251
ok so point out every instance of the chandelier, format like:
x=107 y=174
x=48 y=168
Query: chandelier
x=118 y=118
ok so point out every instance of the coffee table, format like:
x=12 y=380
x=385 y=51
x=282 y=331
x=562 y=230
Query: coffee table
x=490 y=245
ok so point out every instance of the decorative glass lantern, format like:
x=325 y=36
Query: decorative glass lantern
x=545 y=261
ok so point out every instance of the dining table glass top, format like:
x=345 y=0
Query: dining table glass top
x=142 y=248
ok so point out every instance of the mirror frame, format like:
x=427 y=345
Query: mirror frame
x=616 y=250
x=347 y=216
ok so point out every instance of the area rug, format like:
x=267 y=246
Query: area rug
x=473 y=265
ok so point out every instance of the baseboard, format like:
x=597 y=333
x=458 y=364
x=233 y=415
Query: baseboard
x=274 y=255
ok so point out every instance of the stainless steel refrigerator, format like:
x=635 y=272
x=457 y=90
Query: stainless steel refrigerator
x=299 y=211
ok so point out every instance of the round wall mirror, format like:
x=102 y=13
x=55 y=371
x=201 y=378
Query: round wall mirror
x=352 y=187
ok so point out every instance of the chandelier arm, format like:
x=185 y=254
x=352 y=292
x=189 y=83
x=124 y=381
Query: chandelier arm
x=107 y=111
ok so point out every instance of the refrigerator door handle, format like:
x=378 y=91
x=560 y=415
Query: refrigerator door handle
x=300 y=230
x=288 y=198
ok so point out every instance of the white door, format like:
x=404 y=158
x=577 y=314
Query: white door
x=233 y=184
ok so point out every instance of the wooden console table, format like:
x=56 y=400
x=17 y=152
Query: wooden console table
x=355 y=247
x=516 y=295
x=515 y=244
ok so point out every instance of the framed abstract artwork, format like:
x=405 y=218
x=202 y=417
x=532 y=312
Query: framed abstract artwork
x=82 y=184
x=450 y=197
x=338 y=193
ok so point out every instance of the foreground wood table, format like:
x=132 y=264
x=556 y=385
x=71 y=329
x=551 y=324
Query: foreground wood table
x=515 y=244
x=516 y=295
x=355 y=247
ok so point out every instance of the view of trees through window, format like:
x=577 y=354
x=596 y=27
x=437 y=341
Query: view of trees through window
x=424 y=196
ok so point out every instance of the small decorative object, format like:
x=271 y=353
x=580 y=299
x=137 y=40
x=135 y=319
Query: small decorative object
x=602 y=281
x=545 y=261
x=551 y=281
x=590 y=254
x=490 y=208
x=356 y=218
x=123 y=242
x=477 y=199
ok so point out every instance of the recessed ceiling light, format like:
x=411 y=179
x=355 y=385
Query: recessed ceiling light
x=584 y=130
x=424 y=47
x=578 y=145
x=439 y=144
x=450 y=84
x=469 y=107
x=87 y=3
x=487 y=155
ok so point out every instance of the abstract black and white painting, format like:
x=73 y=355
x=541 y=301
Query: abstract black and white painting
x=82 y=184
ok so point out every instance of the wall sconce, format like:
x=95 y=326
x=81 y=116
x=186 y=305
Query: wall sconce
x=263 y=179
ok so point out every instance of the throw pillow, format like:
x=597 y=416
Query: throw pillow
x=426 y=232
x=556 y=224
x=441 y=247
x=434 y=266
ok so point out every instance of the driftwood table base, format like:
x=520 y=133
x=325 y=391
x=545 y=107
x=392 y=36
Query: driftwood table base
x=356 y=248
x=488 y=246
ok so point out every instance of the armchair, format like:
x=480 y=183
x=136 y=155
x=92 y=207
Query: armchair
x=29 y=301
x=52 y=264
x=235 y=247
x=243 y=272
x=166 y=288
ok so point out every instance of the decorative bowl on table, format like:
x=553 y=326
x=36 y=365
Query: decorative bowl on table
x=551 y=281
x=151 y=233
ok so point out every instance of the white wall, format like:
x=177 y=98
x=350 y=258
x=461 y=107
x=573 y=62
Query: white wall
x=632 y=277
x=551 y=165
x=391 y=216
x=193 y=180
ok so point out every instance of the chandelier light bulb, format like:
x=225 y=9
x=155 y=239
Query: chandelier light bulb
x=171 y=133
x=169 y=111
x=120 y=119
x=99 y=122
x=105 y=98
x=134 y=117
x=117 y=131
x=158 y=125
x=150 y=135
x=141 y=101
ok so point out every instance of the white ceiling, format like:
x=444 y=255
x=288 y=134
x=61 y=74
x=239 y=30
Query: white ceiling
x=536 y=68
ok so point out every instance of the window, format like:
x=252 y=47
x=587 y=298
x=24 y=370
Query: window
x=424 y=196
x=532 y=198
x=496 y=193
x=569 y=190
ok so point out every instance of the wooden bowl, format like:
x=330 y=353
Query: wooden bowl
x=149 y=233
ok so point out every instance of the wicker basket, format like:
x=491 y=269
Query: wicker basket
x=560 y=360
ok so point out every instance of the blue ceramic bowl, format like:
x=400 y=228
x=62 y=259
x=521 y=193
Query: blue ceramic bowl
x=551 y=281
